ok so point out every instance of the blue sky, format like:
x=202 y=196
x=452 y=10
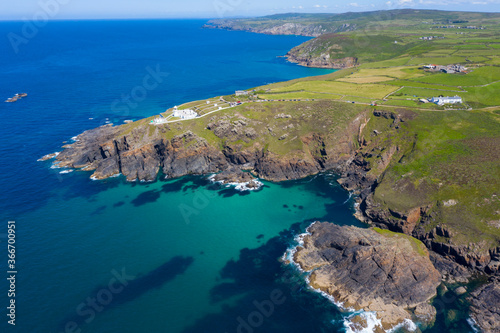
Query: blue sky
x=80 y=9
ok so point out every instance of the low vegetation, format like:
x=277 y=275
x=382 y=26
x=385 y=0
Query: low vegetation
x=446 y=158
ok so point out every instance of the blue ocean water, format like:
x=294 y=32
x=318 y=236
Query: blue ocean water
x=112 y=256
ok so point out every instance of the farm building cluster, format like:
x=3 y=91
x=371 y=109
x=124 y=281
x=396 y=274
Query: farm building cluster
x=449 y=69
x=430 y=37
x=473 y=27
x=442 y=100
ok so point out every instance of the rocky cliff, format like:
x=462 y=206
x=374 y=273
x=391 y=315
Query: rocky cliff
x=279 y=28
x=371 y=270
x=327 y=51
x=108 y=155
x=140 y=151
x=290 y=141
x=404 y=203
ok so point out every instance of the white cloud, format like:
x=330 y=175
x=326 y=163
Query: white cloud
x=480 y=3
x=354 y=4
x=405 y=2
x=317 y=6
x=300 y=7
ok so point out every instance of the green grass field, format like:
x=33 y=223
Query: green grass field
x=440 y=154
x=342 y=88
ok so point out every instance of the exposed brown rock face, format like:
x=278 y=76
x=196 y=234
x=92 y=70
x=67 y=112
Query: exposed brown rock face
x=362 y=268
x=101 y=151
x=278 y=168
x=485 y=309
x=143 y=152
x=322 y=61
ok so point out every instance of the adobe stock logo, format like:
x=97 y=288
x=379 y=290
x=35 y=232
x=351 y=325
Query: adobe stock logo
x=87 y=310
x=139 y=93
x=47 y=9
x=222 y=7
x=263 y=309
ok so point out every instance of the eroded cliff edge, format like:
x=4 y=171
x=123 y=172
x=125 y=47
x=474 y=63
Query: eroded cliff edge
x=276 y=142
x=404 y=181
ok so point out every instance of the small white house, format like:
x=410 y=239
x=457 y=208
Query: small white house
x=446 y=100
x=240 y=92
x=184 y=114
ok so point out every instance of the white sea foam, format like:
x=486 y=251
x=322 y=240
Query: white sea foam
x=66 y=171
x=55 y=165
x=290 y=252
x=371 y=322
x=238 y=186
x=112 y=176
x=289 y=256
x=350 y=196
x=472 y=323
x=407 y=324
x=54 y=156
x=329 y=297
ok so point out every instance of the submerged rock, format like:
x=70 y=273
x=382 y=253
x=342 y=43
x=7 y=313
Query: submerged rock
x=370 y=270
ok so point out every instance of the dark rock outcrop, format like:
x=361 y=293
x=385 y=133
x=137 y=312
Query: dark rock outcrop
x=107 y=154
x=485 y=308
x=324 y=60
x=279 y=168
x=365 y=269
x=140 y=151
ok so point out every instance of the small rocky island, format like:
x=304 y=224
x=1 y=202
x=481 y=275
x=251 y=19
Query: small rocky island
x=16 y=97
x=371 y=270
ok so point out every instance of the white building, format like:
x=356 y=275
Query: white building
x=240 y=92
x=446 y=100
x=184 y=114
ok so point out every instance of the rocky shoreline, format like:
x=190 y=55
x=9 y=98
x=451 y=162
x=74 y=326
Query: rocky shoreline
x=322 y=61
x=241 y=181
x=141 y=155
x=289 y=28
x=374 y=271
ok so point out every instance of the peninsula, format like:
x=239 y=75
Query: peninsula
x=419 y=148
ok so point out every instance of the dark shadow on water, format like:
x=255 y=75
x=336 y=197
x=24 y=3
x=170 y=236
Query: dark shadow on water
x=182 y=184
x=146 y=197
x=323 y=184
x=79 y=185
x=119 y=204
x=231 y=191
x=135 y=288
x=252 y=279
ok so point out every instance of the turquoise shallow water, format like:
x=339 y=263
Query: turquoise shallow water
x=170 y=256
x=185 y=242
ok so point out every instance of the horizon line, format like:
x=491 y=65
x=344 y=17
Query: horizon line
x=237 y=16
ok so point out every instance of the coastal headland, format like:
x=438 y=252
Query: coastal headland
x=425 y=175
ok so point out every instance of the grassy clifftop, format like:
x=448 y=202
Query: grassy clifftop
x=318 y=24
x=433 y=166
